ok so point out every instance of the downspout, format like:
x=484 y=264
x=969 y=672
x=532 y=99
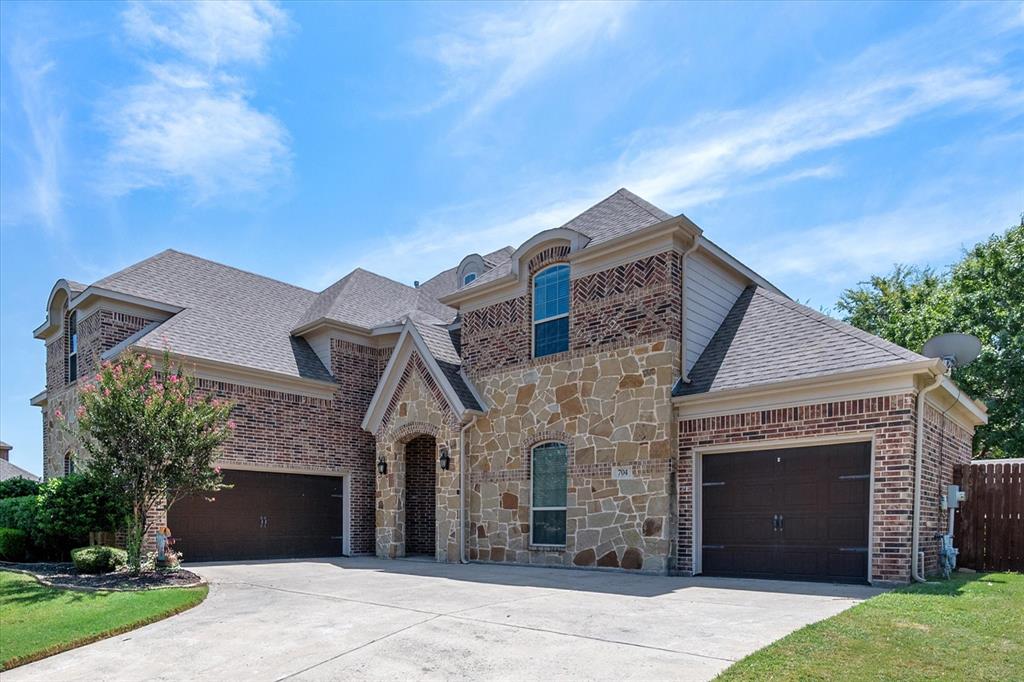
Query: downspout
x=915 y=566
x=682 y=338
x=462 y=489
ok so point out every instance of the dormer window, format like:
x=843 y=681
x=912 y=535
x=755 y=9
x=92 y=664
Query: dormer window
x=72 y=348
x=470 y=276
x=551 y=310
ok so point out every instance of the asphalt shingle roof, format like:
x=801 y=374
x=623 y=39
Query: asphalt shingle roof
x=228 y=315
x=8 y=470
x=443 y=344
x=618 y=214
x=766 y=338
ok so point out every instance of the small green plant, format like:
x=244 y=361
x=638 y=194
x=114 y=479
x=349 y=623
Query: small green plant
x=98 y=559
x=13 y=544
x=17 y=487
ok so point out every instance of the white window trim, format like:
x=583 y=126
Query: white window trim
x=533 y=301
x=533 y=526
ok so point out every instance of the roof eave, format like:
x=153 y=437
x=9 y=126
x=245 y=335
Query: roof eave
x=934 y=366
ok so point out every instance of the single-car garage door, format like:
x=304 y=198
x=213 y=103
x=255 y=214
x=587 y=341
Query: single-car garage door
x=796 y=513
x=263 y=516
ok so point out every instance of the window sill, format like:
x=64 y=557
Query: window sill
x=547 y=548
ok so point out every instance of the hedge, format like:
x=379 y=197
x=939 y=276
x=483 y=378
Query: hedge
x=17 y=487
x=13 y=544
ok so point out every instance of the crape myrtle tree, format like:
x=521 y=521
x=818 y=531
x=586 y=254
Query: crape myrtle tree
x=983 y=295
x=151 y=438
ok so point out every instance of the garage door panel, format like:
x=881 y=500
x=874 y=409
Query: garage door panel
x=262 y=516
x=795 y=513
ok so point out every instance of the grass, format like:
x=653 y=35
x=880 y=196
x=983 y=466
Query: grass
x=970 y=627
x=38 y=621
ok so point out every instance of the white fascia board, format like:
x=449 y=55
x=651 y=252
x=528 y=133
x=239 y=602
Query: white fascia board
x=977 y=411
x=435 y=369
x=39 y=399
x=371 y=420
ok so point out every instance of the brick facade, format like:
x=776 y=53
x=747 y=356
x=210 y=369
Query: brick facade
x=946 y=445
x=420 y=494
x=634 y=303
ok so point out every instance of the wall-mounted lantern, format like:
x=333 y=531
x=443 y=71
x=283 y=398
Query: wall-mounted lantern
x=444 y=459
x=382 y=466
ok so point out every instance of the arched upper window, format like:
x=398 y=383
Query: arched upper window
x=69 y=463
x=549 y=473
x=72 y=347
x=551 y=310
x=469 y=277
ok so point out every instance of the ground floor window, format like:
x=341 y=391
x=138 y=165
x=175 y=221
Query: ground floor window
x=549 y=465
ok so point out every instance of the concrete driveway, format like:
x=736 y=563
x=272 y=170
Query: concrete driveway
x=371 y=619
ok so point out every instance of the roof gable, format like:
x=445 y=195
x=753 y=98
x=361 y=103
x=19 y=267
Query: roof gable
x=437 y=349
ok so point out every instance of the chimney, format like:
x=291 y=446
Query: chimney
x=416 y=283
x=5 y=451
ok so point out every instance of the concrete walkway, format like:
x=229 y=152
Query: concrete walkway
x=372 y=619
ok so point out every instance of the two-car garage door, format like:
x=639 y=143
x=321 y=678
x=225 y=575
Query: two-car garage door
x=262 y=516
x=796 y=513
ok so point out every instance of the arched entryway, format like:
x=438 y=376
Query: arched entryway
x=420 y=496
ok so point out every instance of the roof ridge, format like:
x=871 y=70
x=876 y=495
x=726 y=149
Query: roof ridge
x=236 y=269
x=641 y=203
x=837 y=325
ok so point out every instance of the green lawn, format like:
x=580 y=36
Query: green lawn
x=969 y=628
x=37 y=621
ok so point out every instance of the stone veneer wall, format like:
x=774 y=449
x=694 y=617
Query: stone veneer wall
x=417 y=408
x=946 y=445
x=888 y=419
x=611 y=409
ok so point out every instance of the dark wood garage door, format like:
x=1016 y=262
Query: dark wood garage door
x=264 y=516
x=796 y=514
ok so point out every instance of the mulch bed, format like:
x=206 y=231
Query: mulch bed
x=65 y=575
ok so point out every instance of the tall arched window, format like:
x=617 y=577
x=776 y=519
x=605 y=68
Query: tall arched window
x=72 y=347
x=549 y=474
x=551 y=310
x=69 y=463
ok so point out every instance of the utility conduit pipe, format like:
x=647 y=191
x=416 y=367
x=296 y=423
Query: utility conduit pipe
x=915 y=562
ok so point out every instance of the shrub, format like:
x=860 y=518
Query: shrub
x=98 y=559
x=68 y=509
x=19 y=513
x=13 y=544
x=17 y=487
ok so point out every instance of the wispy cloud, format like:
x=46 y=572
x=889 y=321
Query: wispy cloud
x=39 y=198
x=716 y=155
x=191 y=121
x=490 y=56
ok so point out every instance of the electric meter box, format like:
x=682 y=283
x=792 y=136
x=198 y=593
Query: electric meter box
x=954 y=496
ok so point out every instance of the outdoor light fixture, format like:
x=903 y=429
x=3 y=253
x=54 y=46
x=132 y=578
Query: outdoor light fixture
x=445 y=459
x=382 y=466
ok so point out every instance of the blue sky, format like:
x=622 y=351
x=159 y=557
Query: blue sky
x=817 y=143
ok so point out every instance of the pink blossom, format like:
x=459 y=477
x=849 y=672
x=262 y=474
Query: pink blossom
x=232 y=425
x=148 y=365
x=216 y=470
x=58 y=414
x=173 y=378
x=106 y=393
x=80 y=411
x=98 y=377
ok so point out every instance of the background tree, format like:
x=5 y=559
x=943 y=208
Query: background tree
x=151 y=438
x=983 y=295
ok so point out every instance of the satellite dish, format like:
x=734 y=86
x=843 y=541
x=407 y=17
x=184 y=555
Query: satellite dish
x=956 y=350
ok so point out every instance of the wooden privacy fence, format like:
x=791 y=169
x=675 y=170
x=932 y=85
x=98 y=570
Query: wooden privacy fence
x=990 y=523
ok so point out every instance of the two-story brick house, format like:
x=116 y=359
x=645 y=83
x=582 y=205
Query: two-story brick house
x=618 y=392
